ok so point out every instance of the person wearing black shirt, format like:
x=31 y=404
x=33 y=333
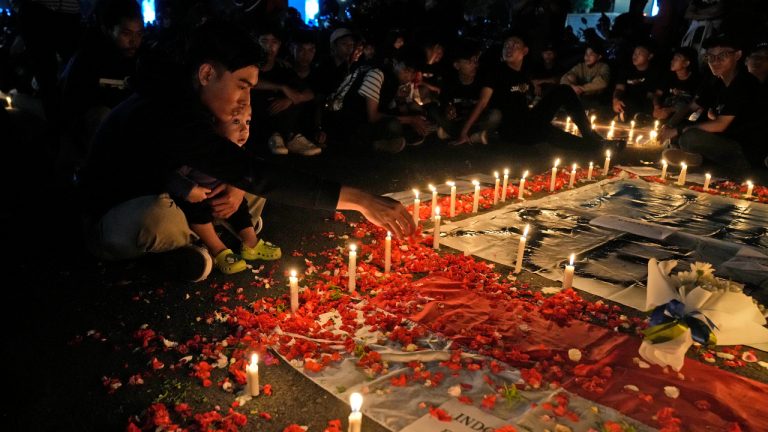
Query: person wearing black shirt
x=636 y=85
x=732 y=132
x=681 y=83
x=128 y=210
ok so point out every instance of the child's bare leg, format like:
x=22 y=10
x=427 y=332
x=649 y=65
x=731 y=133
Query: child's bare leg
x=210 y=239
x=248 y=237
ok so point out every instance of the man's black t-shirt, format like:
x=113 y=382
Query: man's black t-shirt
x=638 y=84
x=676 y=90
x=511 y=92
x=462 y=96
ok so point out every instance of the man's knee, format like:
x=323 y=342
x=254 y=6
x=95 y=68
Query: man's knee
x=690 y=139
x=163 y=226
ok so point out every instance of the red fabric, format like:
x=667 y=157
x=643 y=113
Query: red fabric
x=462 y=313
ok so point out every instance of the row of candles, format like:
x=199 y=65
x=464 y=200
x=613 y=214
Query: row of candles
x=252 y=389
x=571 y=127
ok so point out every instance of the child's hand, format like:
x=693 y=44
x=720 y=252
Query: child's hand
x=198 y=194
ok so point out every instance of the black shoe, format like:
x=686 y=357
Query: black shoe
x=190 y=263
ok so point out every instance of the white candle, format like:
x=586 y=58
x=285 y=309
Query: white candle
x=476 y=200
x=496 y=188
x=294 y=290
x=611 y=129
x=554 y=176
x=452 y=210
x=568 y=124
x=521 y=250
x=355 y=417
x=592 y=120
x=504 y=185
x=568 y=275
x=352 y=267
x=416 y=205
x=654 y=134
x=589 y=172
x=434 y=200
x=707 y=179
x=655 y=126
x=639 y=138
x=252 y=376
x=683 y=171
x=8 y=99
x=607 y=164
x=629 y=138
x=664 y=165
x=388 y=252
x=573 y=176
x=436 y=231
x=750 y=187
x=631 y=126
x=521 y=187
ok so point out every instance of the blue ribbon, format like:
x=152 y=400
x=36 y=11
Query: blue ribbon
x=701 y=326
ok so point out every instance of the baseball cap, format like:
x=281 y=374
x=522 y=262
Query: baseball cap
x=340 y=33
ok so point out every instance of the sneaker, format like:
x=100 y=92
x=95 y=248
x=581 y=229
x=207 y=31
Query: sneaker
x=394 y=145
x=442 y=134
x=229 y=262
x=676 y=156
x=301 y=145
x=262 y=251
x=277 y=145
x=190 y=263
x=479 y=138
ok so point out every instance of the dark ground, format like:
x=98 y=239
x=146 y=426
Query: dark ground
x=56 y=293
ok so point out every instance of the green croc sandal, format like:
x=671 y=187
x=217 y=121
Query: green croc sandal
x=262 y=251
x=229 y=262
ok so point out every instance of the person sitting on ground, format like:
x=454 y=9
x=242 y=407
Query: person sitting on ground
x=635 y=86
x=430 y=80
x=679 y=86
x=168 y=124
x=95 y=79
x=547 y=72
x=190 y=189
x=757 y=63
x=732 y=133
x=590 y=78
x=367 y=106
x=333 y=69
x=509 y=90
x=302 y=49
x=460 y=94
x=278 y=101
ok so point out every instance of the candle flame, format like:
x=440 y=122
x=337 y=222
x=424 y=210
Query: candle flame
x=654 y=134
x=416 y=193
x=254 y=359
x=525 y=231
x=568 y=119
x=389 y=235
x=613 y=123
x=573 y=168
x=506 y=171
x=557 y=162
x=496 y=174
x=707 y=175
x=632 y=123
x=356 y=401
x=525 y=174
x=293 y=273
x=656 y=124
x=476 y=183
x=684 y=165
x=591 y=164
x=432 y=188
x=637 y=140
x=749 y=183
x=437 y=211
x=450 y=183
x=572 y=256
x=664 y=162
x=607 y=153
x=593 y=118
x=352 y=247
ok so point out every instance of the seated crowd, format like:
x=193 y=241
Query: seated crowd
x=317 y=92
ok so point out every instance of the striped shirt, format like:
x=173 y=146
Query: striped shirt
x=371 y=85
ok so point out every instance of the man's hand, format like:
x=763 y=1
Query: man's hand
x=667 y=133
x=618 y=105
x=577 y=89
x=462 y=139
x=280 y=105
x=382 y=211
x=293 y=95
x=198 y=194
x=226 y=199
x=662 y=113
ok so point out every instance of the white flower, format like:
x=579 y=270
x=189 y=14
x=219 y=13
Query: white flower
x=672 y=392
x=574 y=355
x=702 y=269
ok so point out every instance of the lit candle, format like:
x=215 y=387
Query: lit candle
x=521 y=187
x=750 y=187
x=610 y=130
x=504 y=185
x=639 y=138
x=436 y=231
x=554 y=176
x=631 y=126
x=352 y=267
x=629 y=138
x=655 y=126
x=568 y=124
x=589 y=172
x=573 y=176
x=664 y=165
x=521 y=250
x=496 y=188
x=252 y=376
x=294 y=289
x=592 y=120
x=416 y=205
x=434 y=200
x=8 y=99
x=388 y=252
x=607 y=164
x=452 y=210
x=568 y=275
x=355 y=417
x=476 y=201
x=707 y=179
x=683 y=172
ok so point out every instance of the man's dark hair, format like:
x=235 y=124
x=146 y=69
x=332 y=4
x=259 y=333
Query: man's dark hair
x=222 y=44
x=465 y=50
x=648 y=44
x=411 y=56
x=596 y=46
x=689 y=54
x=270 y=27
x=110 y=13
x=302 y=37
x=721 y=40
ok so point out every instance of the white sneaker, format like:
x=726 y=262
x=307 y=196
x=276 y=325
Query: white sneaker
x=277 y=145
x=301 y=145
